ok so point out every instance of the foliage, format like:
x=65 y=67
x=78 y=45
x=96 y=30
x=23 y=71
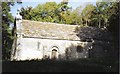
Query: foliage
x=48 y=12
x=6 y=32
x=98 y=15
x=87 y=13
x=7 y=37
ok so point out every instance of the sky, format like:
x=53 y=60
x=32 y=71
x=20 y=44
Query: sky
x=34 y=3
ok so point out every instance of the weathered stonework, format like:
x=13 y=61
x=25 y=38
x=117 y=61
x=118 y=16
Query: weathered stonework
x=33 y=48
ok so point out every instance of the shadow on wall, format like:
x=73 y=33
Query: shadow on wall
x=71 y=52
x=75 y=52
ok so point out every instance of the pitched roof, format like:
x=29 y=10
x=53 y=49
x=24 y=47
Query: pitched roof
x=49 y=30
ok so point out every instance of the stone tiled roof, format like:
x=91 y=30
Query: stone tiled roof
x=49 y=30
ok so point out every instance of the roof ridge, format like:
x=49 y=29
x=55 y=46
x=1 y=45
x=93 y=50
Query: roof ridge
x=51 y=23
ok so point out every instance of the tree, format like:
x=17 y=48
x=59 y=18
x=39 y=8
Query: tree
x=48 y=12
x=75 y=16
x=25 y=13
x=101 y=14
x=7 y=37
x=63 y=11
x=87 y=13
x=113 y=26
x=6 y=32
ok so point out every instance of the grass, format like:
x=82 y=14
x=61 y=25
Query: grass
x=81 y=65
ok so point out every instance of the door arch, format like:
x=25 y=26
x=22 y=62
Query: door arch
x=54 y=53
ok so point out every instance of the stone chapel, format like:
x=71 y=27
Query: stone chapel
x=44 y=40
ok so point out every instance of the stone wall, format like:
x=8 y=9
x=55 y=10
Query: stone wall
x=34 y=48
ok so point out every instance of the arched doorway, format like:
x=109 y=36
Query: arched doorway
x=54 y=54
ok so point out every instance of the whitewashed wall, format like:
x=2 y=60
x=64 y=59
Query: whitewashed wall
x=33 y=48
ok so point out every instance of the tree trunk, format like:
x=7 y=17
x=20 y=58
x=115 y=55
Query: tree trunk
x=86 y=22
x=99 y=24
